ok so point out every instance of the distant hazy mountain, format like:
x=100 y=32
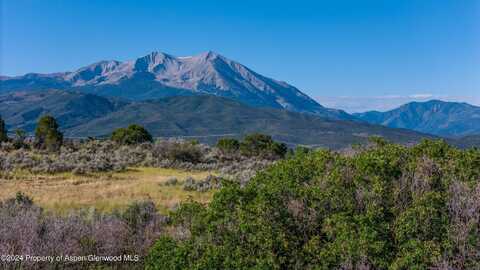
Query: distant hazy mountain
x=160 y=75
x=450 y=119
x=83 y=115
x=466 y=142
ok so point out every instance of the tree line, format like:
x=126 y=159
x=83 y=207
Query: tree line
x=47 y=135
x=49 y=138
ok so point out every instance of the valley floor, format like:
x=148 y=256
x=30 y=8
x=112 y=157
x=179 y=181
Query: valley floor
x=106 y=192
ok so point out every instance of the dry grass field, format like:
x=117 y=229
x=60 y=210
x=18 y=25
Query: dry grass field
x=106 y=192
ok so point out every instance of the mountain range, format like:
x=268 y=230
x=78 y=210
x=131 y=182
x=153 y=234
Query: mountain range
x=94 y=99
x=159 y=75
x=200 y=116
x=447 y=119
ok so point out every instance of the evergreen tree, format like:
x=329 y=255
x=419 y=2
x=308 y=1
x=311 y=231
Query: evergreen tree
x=47 y=136
x=3 y=131
x=19 y=139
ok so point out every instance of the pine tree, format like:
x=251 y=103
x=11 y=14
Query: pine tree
x=47 y=136
x=3 y=131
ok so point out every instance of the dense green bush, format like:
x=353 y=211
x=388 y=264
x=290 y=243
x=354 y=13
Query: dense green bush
x=3 y=131
x=228 y=145
x=133 y=134
x=256 y=146
x=19 y=139
x=262 y=145
x=185 y=152
x=47 y=136
x=383 y=207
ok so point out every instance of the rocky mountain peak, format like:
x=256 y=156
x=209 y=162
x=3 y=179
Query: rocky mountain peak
x=159 y=74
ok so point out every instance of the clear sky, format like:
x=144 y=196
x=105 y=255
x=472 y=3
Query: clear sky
x=328 y=49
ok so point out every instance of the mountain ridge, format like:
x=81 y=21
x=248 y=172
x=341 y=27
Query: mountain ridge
x=82 y=115
x=442 y=118
x=158 y=75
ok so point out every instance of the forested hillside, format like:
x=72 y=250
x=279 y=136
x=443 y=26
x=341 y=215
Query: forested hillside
x=206 y=117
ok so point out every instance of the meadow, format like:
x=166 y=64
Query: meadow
x=105 y=191
x=107 y=197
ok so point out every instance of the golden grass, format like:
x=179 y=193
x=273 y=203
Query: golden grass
x=104 y=191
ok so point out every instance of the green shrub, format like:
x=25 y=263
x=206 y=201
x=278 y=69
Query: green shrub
x=185 y=152
x=416 y=254
x=194 y=142
x=19 y=140
x=278 y=149
x=262 y=145
x=165 y=255
x=386 y=207
x=21 y=198
x=47 y=136
x=133 y=134
x=228 y=145
x=302 y=149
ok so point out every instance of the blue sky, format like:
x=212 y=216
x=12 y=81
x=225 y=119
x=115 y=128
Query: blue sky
x=331 y=50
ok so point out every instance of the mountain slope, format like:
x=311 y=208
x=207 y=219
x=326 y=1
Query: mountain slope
x=22 y=109
x=158 y=75
x=200 y=115
x=450 y=119
x=466 y=142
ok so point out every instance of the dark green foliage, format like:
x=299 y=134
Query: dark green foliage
x=165 y=255
x=19 y=140
x=133 y=134
x=253 y=145
x=3 y=131
x=228 y=145
x=47 y=136
x=278 y=149
x=194 y=142
x=302 y=149
x=185 y=152
x=262 y=145
x=385 y=207
x=22 y=199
